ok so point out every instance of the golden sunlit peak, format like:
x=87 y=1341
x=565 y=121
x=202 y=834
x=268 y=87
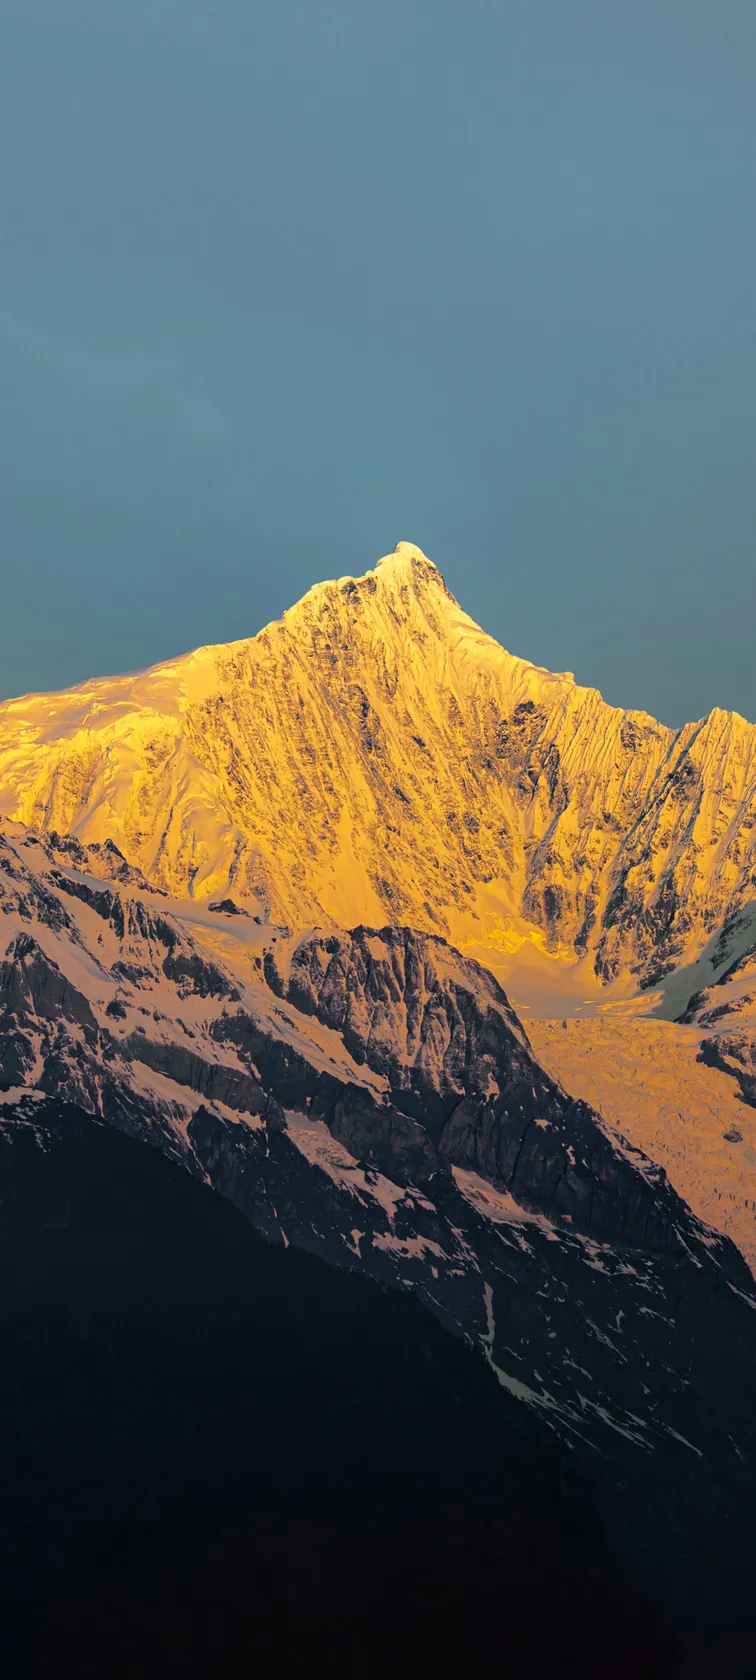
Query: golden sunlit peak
x=402 y=560
x=406 y=551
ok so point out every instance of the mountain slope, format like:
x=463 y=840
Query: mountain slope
x=657 y=1084
x=370 y=1096
x=217 y=1453
x=375 y=757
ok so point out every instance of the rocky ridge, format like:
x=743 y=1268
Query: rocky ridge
x=407 y=1051
x=371 y=1097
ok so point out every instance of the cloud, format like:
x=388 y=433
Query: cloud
x=131 y=383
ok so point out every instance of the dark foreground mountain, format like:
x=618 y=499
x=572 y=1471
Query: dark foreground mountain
x=231 y=1453
x=221 y=1457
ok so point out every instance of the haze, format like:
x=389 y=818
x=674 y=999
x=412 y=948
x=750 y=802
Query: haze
x=283 y=282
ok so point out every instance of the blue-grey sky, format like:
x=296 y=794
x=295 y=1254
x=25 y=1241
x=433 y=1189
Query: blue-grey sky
x=284 y=281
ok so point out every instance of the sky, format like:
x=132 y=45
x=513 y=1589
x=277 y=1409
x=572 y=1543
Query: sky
x=285 y=281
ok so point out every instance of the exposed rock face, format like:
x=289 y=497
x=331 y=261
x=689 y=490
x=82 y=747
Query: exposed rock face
x=371 y=1096
x=433 y=1070
x=442 y=1032
x=375 y=757
x=32 y=985
x=437 y=1025
x=734 y=1053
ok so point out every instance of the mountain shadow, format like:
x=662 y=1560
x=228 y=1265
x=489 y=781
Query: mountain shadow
x=223 y=1457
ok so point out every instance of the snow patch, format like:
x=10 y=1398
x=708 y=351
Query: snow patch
x=313 y=1140
x=498 y=1205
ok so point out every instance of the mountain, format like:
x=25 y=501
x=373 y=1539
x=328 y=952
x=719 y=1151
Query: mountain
x=371 y=1098
x=375 y=757
x=256 y=908
x=218 y=1452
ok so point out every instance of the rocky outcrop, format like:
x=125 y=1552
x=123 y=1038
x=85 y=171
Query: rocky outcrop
x=442 y=1032
x=734 y=1053
x=227 y=907
x=212 y=1080
x=435 y=1023
x=32 y=986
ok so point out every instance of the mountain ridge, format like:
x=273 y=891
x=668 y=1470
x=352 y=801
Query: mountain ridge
x=371 y=1097
x=403 y=552
x=374 y=756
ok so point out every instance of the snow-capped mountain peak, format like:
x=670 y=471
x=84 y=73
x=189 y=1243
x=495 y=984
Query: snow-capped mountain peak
x=374 y=756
